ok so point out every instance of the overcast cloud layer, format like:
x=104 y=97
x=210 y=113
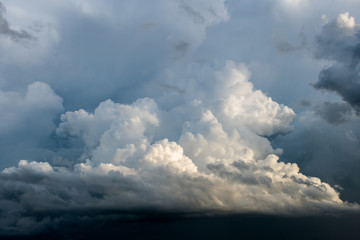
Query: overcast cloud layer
x=131 y=106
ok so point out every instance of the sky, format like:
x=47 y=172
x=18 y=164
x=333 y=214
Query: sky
x=144 y=112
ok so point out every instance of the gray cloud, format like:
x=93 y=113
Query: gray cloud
x=27 y=122
x=339 y=41
x=173 y=88
x=284 y=47
x=305 y=103
x=195 y=15
x=328 y=152
x=5 y=29
x=344 y=80
x=181 y=48
x=334 y=113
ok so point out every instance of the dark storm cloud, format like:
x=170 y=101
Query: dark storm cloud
x=344 y=80
x=339 y=42
x=334 y=113
x=5 y=29
x=152 y=225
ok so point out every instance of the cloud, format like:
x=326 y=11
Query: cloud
x=214 y=12
x=173 y=88
x=284 y=47
x=27 y=120
x=180 y=47
x=218 y=163
x=74 y=44
x=339 y=42
x=196 y=16
x=304 y=103
x=71 y=50
x=19 y=109
x=326 y=150
x=175 y=138
x=334 y=113
x=242 y=105
x=5 y=29
x=28 y=38
x=351 y=136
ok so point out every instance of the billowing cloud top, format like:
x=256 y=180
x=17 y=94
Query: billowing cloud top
x=219 y=163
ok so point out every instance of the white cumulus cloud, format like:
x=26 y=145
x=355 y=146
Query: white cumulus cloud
x=220 y=162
